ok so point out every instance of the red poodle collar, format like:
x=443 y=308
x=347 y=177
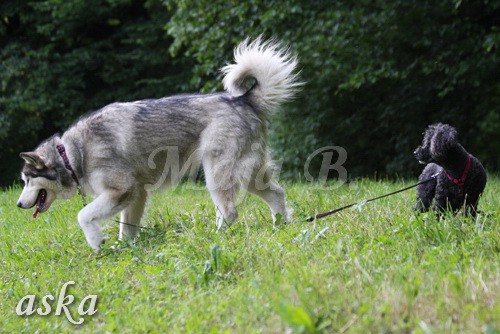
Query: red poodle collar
x=461 y=181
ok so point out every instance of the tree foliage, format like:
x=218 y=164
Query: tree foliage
x=377 y=72
x=60 y=59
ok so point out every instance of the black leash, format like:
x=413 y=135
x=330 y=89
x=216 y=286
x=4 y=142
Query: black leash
x=325 y=214
x=310 y=219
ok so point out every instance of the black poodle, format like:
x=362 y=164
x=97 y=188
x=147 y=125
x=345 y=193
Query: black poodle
x=460 y=179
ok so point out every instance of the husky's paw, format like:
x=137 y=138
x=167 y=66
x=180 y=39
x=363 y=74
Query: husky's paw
x=279 y=219
x=96 y=241
x=288 y=215
x=94 y=235
x=223 y=223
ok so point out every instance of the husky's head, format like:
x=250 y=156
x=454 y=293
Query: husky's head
x=45 y=178
x=439 y=140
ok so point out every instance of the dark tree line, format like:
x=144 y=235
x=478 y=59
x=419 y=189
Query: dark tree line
x=376 y=72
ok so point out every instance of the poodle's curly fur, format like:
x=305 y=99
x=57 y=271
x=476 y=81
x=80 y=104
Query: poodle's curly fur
x=443 y=154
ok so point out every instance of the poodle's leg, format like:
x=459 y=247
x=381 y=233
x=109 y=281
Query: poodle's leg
x=425 y=195
x=441 y=202
x=471 y=205
x=426 y=191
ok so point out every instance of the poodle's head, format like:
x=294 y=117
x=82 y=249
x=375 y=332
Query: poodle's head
x=439 y=139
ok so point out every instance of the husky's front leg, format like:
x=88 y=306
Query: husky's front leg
x=131 y=215
x=104 y=206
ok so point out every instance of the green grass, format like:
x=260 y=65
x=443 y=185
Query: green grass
x=376 y=268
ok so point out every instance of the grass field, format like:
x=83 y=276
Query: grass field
x=375 y=268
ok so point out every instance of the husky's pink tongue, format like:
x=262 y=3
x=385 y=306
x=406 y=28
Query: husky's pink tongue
x=40 y=202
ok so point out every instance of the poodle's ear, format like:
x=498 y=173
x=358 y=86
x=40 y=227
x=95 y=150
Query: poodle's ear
x=445 y=137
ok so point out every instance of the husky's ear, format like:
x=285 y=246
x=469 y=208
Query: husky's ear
x=33 y=159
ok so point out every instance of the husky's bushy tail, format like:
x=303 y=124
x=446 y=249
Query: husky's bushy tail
x=265 y=70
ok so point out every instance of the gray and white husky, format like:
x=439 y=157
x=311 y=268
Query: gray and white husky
x=122 y=152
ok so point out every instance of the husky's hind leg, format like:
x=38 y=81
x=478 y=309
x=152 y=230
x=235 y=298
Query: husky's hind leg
x=130 y=217
x=223 y=185
x=106 y=205
x=225 y=207
x=224 y=200
x=271 y=192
